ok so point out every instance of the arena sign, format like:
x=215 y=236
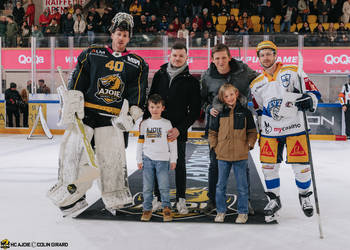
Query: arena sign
x=316 y=61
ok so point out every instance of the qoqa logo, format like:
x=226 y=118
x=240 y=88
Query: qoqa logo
x=342 y=59
x=22 y=59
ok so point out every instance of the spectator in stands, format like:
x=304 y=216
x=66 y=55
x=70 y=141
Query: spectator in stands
x=13 y=100
x=24 y=35
x=153 y=25
x=287 y=19
x=214 y=8
x=77 y=12
x=346 y=11
x=331 y=33
x=303 y=9
x=231 y=24
x=44 y=20
x=30 y=13
x=11 y=32
x=334 y=11
x=163 y=25
x=176 y=23
x=2 y=27
x=68 y=26
x=171 y=32
x=245 y=22
x=97 y=18
x=343 y=33
x=323 y=8
x=174 y=13
x=55 y=14
x=198 y=21
x=183 y=30
x=305 y=29
x=71 y=8
x=29 y=86
x=53 y=29
x=38 y=35
x=205 y=17
x=183 y=9
x=23 y=107
x=18 y=13
x=64 y=17
x=196 y=33
x=106 y=19
x=43 y=89
x=188 y=24
x=121 y=6
x=224 y=7
x=136 y=11
x=205 y=38
x=79 y=29
x=196 y=7
x=268 y=15
x=91 y=29
x=149 y=9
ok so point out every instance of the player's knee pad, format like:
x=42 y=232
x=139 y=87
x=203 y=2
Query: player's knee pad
x=110 y=152
x=272 y=179
x=302 y=174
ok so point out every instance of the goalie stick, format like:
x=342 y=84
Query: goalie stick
x=93 y=172
x=300 y=70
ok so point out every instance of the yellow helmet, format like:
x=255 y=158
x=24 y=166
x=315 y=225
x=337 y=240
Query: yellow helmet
x=266 y=45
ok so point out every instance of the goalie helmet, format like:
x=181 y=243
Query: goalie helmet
x=123 y=21
x=266 y=45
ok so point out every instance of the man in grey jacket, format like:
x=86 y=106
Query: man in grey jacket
x=223 y=69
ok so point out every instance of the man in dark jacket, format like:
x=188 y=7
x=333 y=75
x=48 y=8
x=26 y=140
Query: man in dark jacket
x=223 y=69
x=13 y=99
x=181 y=92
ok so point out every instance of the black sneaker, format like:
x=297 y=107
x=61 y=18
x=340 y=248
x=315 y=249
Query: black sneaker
x=209 y=208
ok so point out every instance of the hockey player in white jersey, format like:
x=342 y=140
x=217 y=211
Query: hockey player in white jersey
x=278 y=129
x=106 y=81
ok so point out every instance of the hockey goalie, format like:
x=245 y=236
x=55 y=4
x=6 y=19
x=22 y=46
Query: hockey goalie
x=106 y=91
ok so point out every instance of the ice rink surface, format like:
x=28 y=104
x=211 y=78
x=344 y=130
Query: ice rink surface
x=28 y=168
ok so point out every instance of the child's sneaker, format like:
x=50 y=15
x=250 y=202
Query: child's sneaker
x=146 y=215
x=156 y=204
x=220 y=217
x=242 y=218
x=167 y=214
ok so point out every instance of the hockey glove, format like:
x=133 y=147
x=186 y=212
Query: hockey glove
x=72 y=104
x=135 y=112
x=304 y=103
x=124 y=122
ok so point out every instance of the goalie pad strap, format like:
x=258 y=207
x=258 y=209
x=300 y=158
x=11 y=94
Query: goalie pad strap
x=111 y=110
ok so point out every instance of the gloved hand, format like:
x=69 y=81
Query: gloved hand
x=135 y=112
x=72 y=104
x=304 y=103
x=124 y=122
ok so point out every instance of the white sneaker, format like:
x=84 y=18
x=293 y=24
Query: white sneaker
x=156 y=205
x=181 y=206
x=220 y=217
x=242 y=218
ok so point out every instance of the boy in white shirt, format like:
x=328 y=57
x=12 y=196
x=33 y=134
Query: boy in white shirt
x=154 y=151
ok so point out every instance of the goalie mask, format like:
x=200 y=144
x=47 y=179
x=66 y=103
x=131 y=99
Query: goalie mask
x=123 y=22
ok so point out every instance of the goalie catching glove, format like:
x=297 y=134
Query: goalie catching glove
x=72 y=102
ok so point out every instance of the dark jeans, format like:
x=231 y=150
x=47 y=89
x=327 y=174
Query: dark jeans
x=213 y=177
x=347 y=120
x=11 y=112
x=180 y=173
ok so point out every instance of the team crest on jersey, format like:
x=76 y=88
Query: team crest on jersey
x=273 y=108
x=110 y=89
x=285 y=79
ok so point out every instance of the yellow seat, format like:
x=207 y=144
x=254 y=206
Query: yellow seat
x=214 y=18
x=277 y=19
x=293 y=27
x=347 y=25
x=222 y=20
x=234 y=12
x=256 y=27
x=313 y=26
x=336 y=26
x=255 y=20
x=221 y=27
x=277 y=27
x=299 y=26
x=325 y=26
x=311 y=19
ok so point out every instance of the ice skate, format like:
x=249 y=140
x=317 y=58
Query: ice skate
x=306 y=204
x=271 y=209
x=76 y=206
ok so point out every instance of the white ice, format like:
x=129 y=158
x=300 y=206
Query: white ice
x=28 y=168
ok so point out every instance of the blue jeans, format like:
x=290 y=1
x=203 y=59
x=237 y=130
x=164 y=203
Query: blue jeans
x=240 y=171
x=270 y=26
x=283 y=25
x=160 y=169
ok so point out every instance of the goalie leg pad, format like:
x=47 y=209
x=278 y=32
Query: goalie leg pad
x=72 y=164
x=110 y=152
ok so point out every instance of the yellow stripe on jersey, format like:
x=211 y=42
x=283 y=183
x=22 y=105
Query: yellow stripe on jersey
x=290 y=67
x=140 y=140
x=114 y=111
x=257 y=79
